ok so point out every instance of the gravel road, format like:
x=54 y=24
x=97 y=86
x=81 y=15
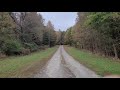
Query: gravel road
x=62 y=65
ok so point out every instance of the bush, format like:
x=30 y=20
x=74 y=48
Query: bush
x=25 y=51
x=32 y=46
x=12 y=47
x=2 y=55
x=43 y=47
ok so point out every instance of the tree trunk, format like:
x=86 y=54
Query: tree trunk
x=115 y=51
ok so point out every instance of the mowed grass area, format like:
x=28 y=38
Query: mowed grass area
x=101 y=65
x=14 y=66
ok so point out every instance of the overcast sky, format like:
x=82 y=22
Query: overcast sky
x=60 y=20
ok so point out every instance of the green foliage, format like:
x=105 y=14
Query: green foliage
x=98 y=32
x=32 y=46
x=53 y=38
x=105 y=22
x=51 y=34
x=32 y=31
x=46 y=37
x=68 y=36
x=8 y=44
x=11 y=47
x=60 y=37
x=108 y=24
x=24 y=30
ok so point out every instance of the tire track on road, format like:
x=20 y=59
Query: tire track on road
x=62 y=65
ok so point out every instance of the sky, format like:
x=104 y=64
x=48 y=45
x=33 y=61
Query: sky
x=60 y=20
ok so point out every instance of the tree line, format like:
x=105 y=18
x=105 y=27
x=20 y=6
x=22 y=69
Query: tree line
x=98 y=32
x=24 y=32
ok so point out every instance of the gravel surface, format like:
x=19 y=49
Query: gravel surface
x=62 y=65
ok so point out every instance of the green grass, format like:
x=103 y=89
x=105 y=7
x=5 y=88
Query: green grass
x=101 y=65
x=12 y=65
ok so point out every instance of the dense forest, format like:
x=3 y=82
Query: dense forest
x=24 y=32
x=97 y=32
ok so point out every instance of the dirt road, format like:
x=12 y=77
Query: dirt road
x=62 y=65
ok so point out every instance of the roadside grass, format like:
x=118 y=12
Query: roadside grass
x=15 y=66
x=101 y=65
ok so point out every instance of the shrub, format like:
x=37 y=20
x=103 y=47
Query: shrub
x=25 y=51
x=32 y=46
x=2 y=55
x=12 y=47
x=43 y=47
